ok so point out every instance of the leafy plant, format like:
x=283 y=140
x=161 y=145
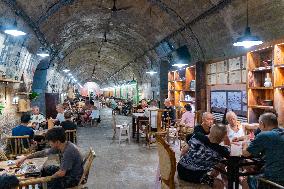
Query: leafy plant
x=33 y=95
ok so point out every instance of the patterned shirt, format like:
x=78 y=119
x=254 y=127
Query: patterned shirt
x=203 y=155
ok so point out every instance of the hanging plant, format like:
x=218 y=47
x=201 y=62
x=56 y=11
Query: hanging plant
x=1 y=108
x=33 y=95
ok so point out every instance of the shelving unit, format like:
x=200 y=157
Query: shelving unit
x=265 y=63
x=179 y=86
x=9 y=80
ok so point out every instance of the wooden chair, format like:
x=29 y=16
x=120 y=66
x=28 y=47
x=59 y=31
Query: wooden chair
x=167 y=164
x=88 y=160
x=267 y=184
x=3 y=156
x=182 y=133
x=198 y=117
x=71 y=135
x=50 y=123
x=18 y=145
x=34 y=183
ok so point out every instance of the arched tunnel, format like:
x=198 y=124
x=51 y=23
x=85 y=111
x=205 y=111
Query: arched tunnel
x=115 y=42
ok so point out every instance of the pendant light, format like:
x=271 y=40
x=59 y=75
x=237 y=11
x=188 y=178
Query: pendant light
x=247 y=40
x=151 y=71
x=13 y=30
x=43 y=53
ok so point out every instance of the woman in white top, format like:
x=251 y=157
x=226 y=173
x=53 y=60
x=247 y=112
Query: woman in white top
x=236 y=130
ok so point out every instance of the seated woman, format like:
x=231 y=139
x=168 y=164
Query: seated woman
x=236 y=130
x=187 y=117
x=204 y=153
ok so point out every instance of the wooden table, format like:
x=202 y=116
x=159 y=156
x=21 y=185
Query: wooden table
x=39 y=162
x=40 y=133
x=136 y=118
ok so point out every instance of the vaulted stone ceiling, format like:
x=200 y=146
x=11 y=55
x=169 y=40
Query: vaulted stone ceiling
x=75 y=29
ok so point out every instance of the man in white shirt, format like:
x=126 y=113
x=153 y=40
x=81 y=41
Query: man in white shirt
x=37 y=118
x=60 y=113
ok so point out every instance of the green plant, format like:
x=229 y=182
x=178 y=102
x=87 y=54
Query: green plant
x=1 y=108
x=33 y=95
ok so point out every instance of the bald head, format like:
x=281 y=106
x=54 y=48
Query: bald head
x=207 y=120
x=268 y=121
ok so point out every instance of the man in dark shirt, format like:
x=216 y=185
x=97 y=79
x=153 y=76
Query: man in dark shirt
x=204 y=127
x=170 y=112
x=269 y=143
x=68 y=123
x=204 y=153
x=23 y=129
x=71 y=162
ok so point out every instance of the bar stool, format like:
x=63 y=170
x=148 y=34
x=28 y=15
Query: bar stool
x=124 y=128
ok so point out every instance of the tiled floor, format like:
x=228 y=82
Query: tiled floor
x=125 y=166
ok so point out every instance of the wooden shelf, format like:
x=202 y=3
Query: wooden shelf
x=23 y=93
x=279 y=87
x=260 y=107
x=262 y=69
x=188 y=90
x=191 y=101
x=9 y=80
x=279 y=66
x=261 y=88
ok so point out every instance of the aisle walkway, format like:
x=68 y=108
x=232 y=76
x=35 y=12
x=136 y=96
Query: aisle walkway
x=125 y=166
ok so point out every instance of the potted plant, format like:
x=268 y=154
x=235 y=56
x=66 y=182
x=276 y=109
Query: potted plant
x=33 y=96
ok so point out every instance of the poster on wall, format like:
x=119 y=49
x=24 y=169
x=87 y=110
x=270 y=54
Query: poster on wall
x=232 y=100
x=218 y=101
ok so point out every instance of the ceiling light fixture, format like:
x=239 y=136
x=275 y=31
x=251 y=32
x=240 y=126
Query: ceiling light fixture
x=43 y=53
x=151 y=71
x=66 y=70
x=14 y=31
x=70 y=74
x=247 y=40
x=179 y=65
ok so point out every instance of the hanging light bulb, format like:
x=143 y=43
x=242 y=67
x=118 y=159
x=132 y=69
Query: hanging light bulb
x=151 y=71
x=42 y=53
x=13 y=30
x=179 y=65
x=247 y=40
x=66 y=70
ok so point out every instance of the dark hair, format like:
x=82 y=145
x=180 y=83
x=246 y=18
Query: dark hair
x=8 y=181
x=188 y=107
x=56 y=134
x=25 y=118
x=67 y=115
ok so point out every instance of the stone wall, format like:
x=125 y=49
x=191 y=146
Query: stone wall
x=16 y=63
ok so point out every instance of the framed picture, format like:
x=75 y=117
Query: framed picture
x=235 y=77
x=218 y=101
x=221 y=66
x=244 y=76
x=235 y=100
x=222 y=78
x=235 y=63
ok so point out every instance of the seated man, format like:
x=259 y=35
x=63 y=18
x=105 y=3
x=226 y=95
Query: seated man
x=269 y=143
x=23 y=129
x=170 y=113
x=68 y=123
x=37 y=118
x=204 y=127
x=204 y=153
x=71 y=162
